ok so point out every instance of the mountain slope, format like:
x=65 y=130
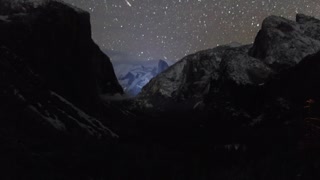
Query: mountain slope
x=51 y=75
x=279 y=45
x=25 y=95
x=55 y=40
x=242 y=91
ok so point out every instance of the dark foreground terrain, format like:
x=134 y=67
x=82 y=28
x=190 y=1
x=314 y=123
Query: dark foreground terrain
x=247 y=112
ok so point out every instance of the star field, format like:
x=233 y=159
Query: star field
x=171 y=29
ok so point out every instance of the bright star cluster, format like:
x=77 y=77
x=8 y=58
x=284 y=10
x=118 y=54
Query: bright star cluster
x=171 y=29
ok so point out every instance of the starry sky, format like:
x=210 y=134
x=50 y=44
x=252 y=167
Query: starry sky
x=171 y=29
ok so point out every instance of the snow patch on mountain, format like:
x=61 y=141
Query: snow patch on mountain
x=133 y=77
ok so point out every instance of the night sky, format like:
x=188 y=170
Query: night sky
x=171 y=29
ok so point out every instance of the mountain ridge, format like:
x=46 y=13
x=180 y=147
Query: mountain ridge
x=267 y=48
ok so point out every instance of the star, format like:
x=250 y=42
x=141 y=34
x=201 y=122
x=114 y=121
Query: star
x=174 y=28
x=128 y=3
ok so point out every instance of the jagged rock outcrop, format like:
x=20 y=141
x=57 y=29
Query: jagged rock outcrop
x=55 y=40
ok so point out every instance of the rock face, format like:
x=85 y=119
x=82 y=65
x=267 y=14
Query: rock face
x=282 y=43
x=23 y=94
x=55 y=40
x=245 y=86
x=37 y=125
x=49 y=66
x=162 y=66
x=133 y=77
x=194 y=75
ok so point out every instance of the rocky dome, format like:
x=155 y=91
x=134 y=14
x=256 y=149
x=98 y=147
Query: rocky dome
x=280 y=44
